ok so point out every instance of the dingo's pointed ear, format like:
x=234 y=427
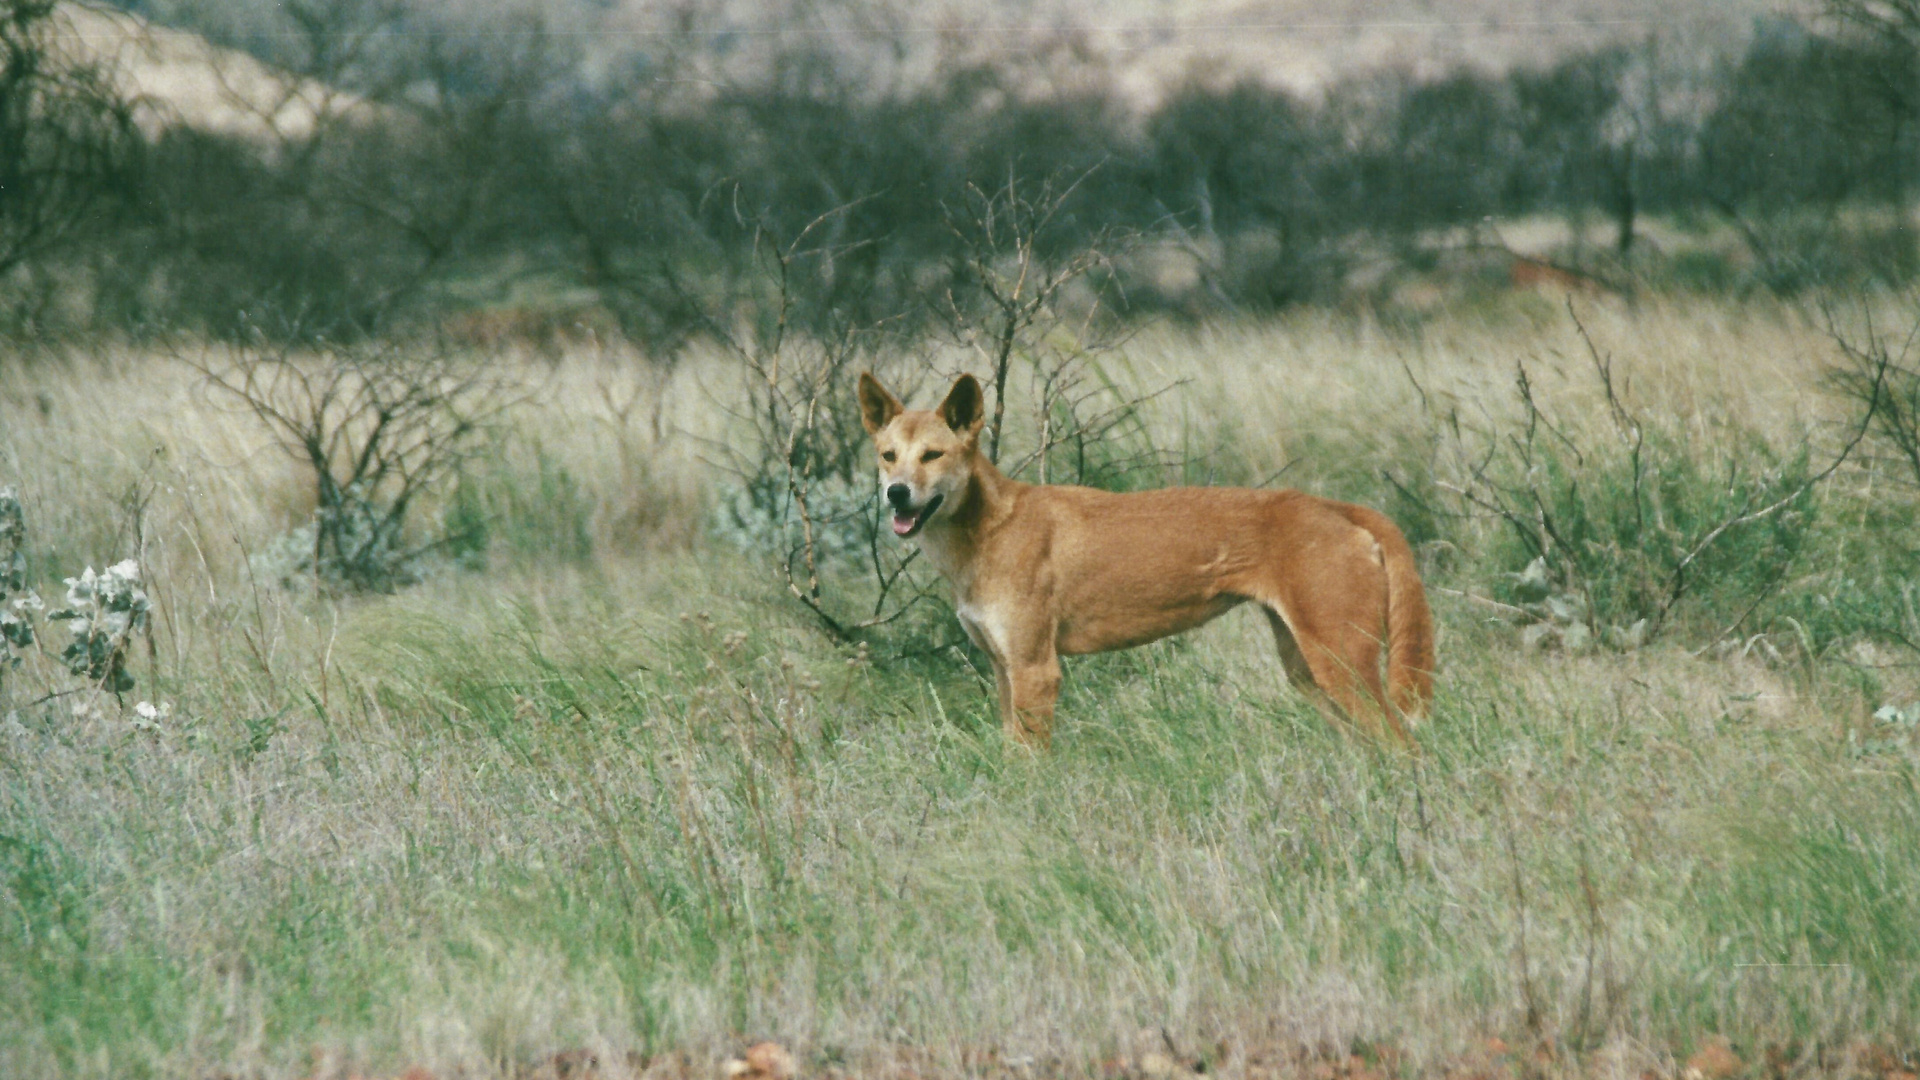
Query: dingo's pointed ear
x=965 y=407
x=877 y=407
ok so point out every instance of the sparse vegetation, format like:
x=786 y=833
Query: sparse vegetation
x=638 y=803
x=442 y=168
x=1616 y=534
x=619 y=730
x=379 y=430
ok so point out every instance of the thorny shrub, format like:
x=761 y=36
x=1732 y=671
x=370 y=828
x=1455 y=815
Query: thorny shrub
x=803 y=468
x=804 y=483
x=381 y=431
x=1613 y=534
x=1871 y=589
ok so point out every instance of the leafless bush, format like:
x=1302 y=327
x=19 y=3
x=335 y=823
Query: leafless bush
x=379 y=429
x=805 y=463
x=1031 y=290
x=1012 y=270
x=1879 y=375
x=806 y=468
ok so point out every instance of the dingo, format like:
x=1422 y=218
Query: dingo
x=1044 y=570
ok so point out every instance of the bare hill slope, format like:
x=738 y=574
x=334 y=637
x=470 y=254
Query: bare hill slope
x=1148 y=45
x=1298 y=44
x=177 y=77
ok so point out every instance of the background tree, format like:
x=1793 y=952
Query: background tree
x=67 y=139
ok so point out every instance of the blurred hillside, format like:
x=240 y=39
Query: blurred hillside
x=380 y=166
x=1296 y=45
x=1154 y=45
x=176 y=77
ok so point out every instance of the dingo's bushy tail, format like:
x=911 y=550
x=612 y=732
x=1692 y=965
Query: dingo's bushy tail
x=1410 y=657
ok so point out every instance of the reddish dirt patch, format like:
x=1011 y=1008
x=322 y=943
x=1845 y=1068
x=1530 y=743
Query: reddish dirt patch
x=1492 y=1058
x=1714 y=1061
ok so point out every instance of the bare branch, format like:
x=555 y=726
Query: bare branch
x=378 y=429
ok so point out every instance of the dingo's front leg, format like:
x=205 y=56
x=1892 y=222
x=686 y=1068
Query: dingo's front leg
x=1026 y=701
x=1003 y=685
x=1002 y=682
x=1026 y=670
x=1028 y=710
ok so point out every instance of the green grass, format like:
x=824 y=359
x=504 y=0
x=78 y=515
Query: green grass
x=514 y=833
x=630 y=798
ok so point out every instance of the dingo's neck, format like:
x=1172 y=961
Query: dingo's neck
x=987 y=501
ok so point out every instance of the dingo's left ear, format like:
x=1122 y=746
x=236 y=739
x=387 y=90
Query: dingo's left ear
x=877 y=407
x=965 y=407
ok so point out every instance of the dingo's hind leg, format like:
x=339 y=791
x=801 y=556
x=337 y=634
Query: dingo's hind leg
x=1291 y=658
x=1299 y=673
x=1332 y=650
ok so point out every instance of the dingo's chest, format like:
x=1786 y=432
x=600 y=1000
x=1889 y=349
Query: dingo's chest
x=985 y=624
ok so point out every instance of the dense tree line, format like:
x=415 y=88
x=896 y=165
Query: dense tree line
x=466 y=167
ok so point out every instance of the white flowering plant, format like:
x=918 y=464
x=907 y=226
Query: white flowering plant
x=1895 y=730
x=150 y=717
x=104 y=611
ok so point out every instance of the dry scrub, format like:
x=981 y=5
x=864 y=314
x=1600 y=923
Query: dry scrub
x=607 y=789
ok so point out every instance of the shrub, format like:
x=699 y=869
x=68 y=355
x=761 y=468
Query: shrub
x=805 y=470
x=104 y=612
x=380 y=430
x=1866 y=585
x=1614 y=537
x=1627 y=534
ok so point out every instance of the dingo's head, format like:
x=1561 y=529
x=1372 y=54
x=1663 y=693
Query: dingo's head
x=926 y=457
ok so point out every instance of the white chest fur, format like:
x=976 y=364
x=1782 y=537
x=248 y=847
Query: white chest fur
x=986 y=625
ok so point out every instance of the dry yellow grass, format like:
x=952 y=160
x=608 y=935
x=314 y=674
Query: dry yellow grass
x=1282 y=390
x=1301 y=398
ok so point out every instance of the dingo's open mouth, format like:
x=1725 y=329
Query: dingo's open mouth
x=905 y=525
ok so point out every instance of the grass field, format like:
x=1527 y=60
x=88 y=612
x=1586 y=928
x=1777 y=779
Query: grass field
x=617 y=792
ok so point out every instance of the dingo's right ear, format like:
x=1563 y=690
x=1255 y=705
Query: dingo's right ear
x=877 y=407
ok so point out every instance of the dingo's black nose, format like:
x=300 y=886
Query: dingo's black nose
x=900 y=495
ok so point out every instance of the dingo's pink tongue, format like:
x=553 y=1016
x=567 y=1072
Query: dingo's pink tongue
x=903 y=525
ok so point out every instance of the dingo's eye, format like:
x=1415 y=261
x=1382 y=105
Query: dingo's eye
x=888 y=456
x=931 y=454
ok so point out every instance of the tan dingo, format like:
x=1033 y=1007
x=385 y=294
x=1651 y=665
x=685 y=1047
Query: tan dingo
x=1044 y=570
